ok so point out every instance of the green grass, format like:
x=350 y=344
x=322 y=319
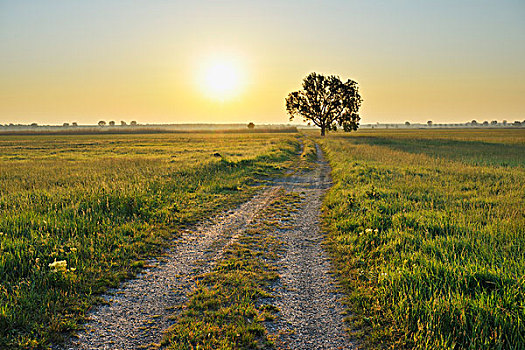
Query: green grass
x=492 y=147
x=445 y=268
x=225 y=309
x=103 y=203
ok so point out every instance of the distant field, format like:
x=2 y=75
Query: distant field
x=484 y=147
x=427 y=229
x=102 y=203
x=145 y=129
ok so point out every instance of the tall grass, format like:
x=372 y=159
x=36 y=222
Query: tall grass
x=102 y=204
x=429 y=245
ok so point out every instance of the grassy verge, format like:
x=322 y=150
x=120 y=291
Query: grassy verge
x=430 y=249
x=98 y=206
x=225 y=310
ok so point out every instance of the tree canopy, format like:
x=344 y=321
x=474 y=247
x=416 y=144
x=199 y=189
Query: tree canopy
x=327 y=102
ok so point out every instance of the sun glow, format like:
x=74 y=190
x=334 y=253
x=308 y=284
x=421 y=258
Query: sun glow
x=221 y=79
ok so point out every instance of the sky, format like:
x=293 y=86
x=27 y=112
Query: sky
x=153 y=61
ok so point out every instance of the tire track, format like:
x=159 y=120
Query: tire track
x=307 y=296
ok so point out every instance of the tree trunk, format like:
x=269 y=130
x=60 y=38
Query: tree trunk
x=322 y=130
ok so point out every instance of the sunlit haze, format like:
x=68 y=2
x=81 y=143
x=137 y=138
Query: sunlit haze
x=235 y=61
x=220 y=78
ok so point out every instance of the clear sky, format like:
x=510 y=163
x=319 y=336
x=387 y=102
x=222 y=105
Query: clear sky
x=419 y=60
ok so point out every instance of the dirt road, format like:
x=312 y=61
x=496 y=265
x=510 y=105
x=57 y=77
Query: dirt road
x=310 y=314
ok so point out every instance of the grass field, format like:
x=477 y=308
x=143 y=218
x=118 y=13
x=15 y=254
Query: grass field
x=501 y=147
x=80 y=213
x=427 y=230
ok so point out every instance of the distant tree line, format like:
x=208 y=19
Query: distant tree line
x=113 y=123
x=431 y=124
x=475 y=123
x=68 y=125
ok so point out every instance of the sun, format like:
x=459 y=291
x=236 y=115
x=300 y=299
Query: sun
x=221 y=79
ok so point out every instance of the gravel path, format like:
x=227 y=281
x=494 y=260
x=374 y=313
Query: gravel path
x=310 y=314
x=310 y=311
x=138 y=311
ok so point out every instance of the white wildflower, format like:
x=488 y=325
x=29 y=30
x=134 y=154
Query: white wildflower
x=58 y=266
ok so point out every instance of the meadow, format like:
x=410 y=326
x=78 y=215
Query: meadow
x=427 y=232
x=79 y=214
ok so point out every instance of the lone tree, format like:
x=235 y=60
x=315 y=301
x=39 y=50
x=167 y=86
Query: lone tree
x=327 y=102
x=251 y=126
x=101 y=123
